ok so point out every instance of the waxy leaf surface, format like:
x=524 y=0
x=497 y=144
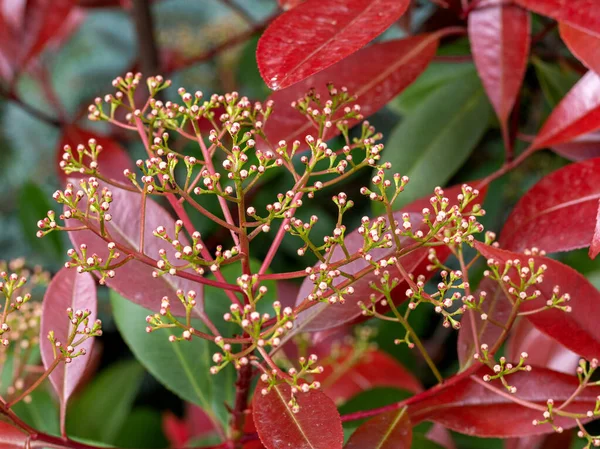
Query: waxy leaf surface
x=390 y=430
x=77 y=291
x=581 y=148
x=500 y=40
x=558 y=213
x=317 y=425
x=391 y=67
x=11 y=437
x=578 y=329
x=585 y=46
x=316 y=34
x=583 y=14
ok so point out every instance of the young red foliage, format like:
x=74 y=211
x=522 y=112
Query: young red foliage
x=315 y=35
x=317 y=424
x=500 y=39
x=392 y=66
x=471 y=407
x=582 y=14
x=578 y=329
x=586 y=46
x=577 y=114
x=558 y=213
x=581 y=148
x=595 y=245
x=390 y=430
x=11 y=437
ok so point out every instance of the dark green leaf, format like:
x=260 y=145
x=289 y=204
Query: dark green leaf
x=41 y=413
x=142 y=428
x=555 y=81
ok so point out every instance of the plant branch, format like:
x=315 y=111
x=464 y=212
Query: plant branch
x=148 y=51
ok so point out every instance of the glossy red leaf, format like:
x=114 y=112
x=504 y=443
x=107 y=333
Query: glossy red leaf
x=341 y=379
x=582 y=14
x=134 y=280
x=316 y=34
x=577 y=330
x=558 y=213
x=542 y=350
x=469 y=407
x=496 y=306
x=77 y=291
x=595 y=245
x=585 y=46
x=11 y=437
x=112 y=160
x=554 y=441
x=43 y=20
x=317 y=425
x=375 y=74
x=326 y=316
x=581 y=148
x=390 y=430
x=500 y=38
x=577 y=114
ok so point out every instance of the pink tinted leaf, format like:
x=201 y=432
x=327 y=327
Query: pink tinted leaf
x=581 y=148
x=582 y=14
x=175 y=429
x=392 y=66
x=500 y=39
x=316 y=34
x=585 y=46
x=440 y=435
x=558 y=213
x=289 y=4
x=11 y=437
x=317 y=424
x=541 y=349
x=390 y=430
x=134 y=280
x=68 y=289
x=326 y=316
x=342 y=379
x=578 y=329
x=470 y=407
x=112 y=160
x=577 y=114
x=497 y=307
x=595 y=245
x=43 y=21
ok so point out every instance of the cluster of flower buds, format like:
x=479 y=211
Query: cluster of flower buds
x=295 y=379
x=325 y=288
x=502 y=368
x=82 y=329
x=549 y=417
x=84 y=160
x=85 y=262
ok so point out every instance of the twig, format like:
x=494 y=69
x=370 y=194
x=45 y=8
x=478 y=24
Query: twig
x=142 y=16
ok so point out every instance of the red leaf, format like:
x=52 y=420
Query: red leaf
x=558 y=213
x=581 y=148
x=316 y=34
x=11 y=437
x=326 y=316
x=134 y=280
x=289 y=4
x=582 y=14
x=577 y=114
x=585 y=46
x=390 y=430
x=440 y=435
x=577 y=330
x=498 y=307
x=341 y=379
x=77 y=291
x=391 y=67
x=112 y=160
x=500 y=39
x=555 y=441
x=469 y=407
x=317 y=425
x=595 y=245
x=43 y=20
x=542 y=350
x=175 y=430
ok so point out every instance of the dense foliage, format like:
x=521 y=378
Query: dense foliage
x=265 y=268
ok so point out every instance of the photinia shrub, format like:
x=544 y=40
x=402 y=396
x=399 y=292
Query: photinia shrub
x=185 y=252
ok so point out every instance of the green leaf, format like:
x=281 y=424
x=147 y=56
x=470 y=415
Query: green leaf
x=435 y=76
x=142 y=428
x=36 y=205
x=437 y=138
x=182 y=367
x=420 y=441
x=41 y=413
x=99 y=412
x=555 y=81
